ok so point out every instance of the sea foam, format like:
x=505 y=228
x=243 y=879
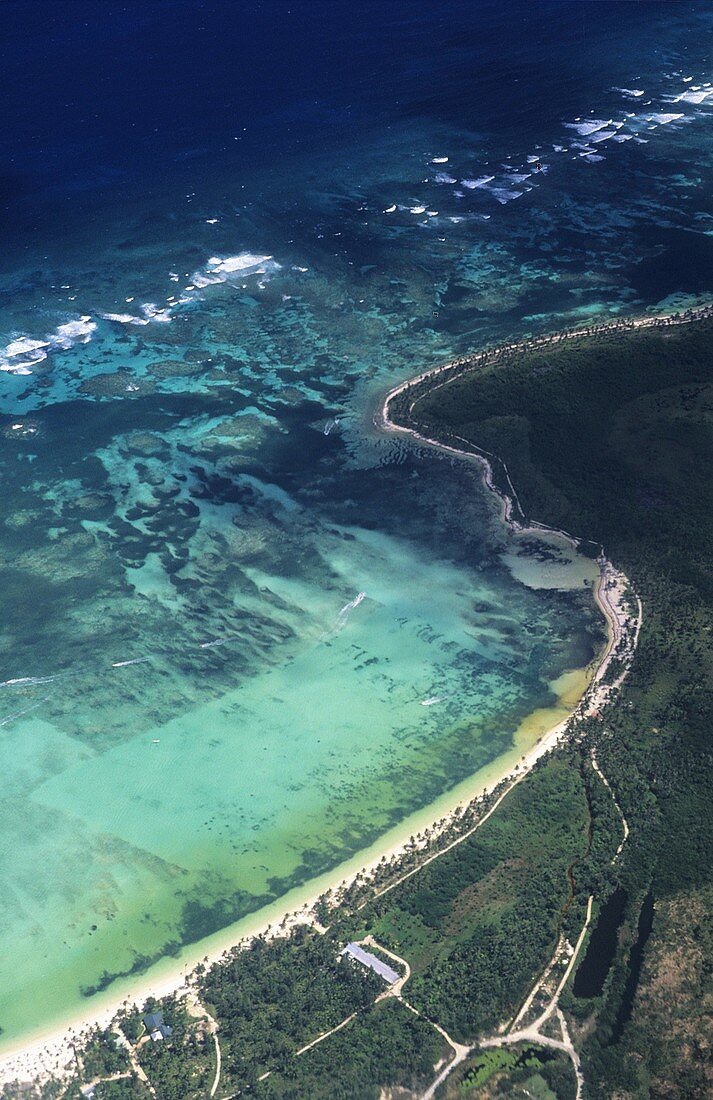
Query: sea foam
x=348 y=607
x=692 y=97
x=73 y=332
x=661 y=119
x=219 y=269
x=149 y=312
x=25 y=346
x=503 y=195
x=24 y=352
x=479 y=182
x=590 y=126
x=27 y=681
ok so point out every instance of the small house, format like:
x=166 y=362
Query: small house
x=156 y=1027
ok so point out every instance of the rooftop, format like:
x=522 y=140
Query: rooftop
x=367 y=959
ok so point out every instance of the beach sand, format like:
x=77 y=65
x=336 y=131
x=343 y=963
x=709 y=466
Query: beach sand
x=50 y=1053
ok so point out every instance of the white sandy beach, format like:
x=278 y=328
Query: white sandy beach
x=51 y=1053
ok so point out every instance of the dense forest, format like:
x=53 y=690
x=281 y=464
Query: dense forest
x=387 y=1046
x=490 y=907
x=611 y=437
x=273 y=998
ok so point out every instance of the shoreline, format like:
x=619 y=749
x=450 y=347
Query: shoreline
x=50 y=1052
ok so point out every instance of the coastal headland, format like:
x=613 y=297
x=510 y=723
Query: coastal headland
x=613 y=437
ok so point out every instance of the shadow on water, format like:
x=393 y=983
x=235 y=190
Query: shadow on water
x=636 y=958
x=592 y=972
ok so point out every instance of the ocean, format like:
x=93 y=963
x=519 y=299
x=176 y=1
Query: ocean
x=242 y=633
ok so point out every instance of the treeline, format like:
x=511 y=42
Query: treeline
x=477 y=924
x=386 y=1047
x=613 y=439
x=278 y=995
x=545 y=412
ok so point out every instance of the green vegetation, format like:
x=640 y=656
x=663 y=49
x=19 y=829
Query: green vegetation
x=130 y=1089
x=476 y=924
x=102 y=1055
x=182 y=1066
x=132 y=1025
x=387 y=1046
x=279 y=995
x=505 y=1072
x=612 y=438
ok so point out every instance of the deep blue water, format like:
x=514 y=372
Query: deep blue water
x=126 y=126
x=98 y=97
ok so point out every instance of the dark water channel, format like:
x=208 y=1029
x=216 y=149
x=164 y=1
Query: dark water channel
x=636 y=958
x=592 y=972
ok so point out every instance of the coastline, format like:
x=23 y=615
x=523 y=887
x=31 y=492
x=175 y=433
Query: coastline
x=50 y=1052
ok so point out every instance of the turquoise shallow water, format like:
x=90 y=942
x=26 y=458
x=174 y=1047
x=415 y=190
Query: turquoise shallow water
x=242 y=634
x=226 y=687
